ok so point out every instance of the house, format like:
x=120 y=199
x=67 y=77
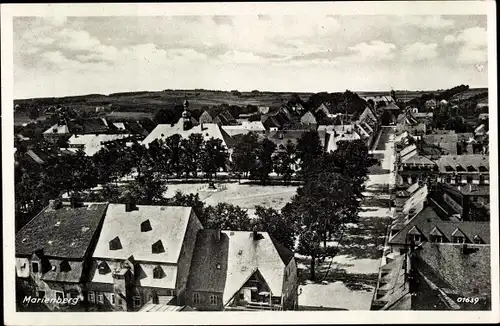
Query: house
x=480 y=131
x=263 y=109
x=309 y=120
x=54 y=252
x=241 y=271
x=433 y=224
x=297 y=108
x=463 y=169
x=205 y=117
x=143 y=252
x=430 y=104
x=446 y=142
x=184 y=128
x=427 y=278
x=244 y=128
x=483 y=116
x=379 y=99
x=470 y=201
x=337 y=133
x=325 y=108
x=276 y=120
x=224 y=118
x=91 y=144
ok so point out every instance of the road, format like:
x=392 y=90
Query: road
x=352 y=274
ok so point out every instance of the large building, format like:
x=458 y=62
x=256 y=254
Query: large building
x=143 y=252
x=237 y=270
x=54 y=253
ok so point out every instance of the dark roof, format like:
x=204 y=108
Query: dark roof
x=89 y=126
x=292 y=135
x=68 y=239
x=208 y=253
x=285 y=253
x=455 y=271
x=470 y=189
x=476 y=160
x=428 y=219
x=391 y=106
x=72 y=272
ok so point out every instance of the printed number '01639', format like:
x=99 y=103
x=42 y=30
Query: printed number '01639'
x=467 y=300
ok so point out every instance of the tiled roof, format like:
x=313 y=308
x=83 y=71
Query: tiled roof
x=205 y=117
x=308 y=118
x=168 y=223
x=93 y=143
x=475 y=160
x=72 y=273
x=246 y=256
x=427 y=219
x=448 y=142
x=416 y=200
x=65 y=232
x=458 y=273
x=391 y=106
x=57 y=129
x=292 y=135
x=209 y=263
x=471 y=189
x=244 y=128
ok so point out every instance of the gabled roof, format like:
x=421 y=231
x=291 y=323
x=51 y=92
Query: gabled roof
x=428 y=219
x=244 y=128
x=205 y=117
x=475 y=160
x=391 y=106
x=457 y=273
x=168 y=223
x=69 y=230
x=93 y=143
x=308 y=118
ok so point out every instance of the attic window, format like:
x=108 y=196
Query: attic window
x=217 y=266
x=158 y=272
x=157 y=247
x=24 y=240
x=103 y=268
x=85 y=229
x=146 y=226
x=240 y=252
x=50 y=242
x=483 y=168
x=35 y=267
x=115 y=244
x=58 y=223
x=478 y=240
x=458 y=239
x=64 y=266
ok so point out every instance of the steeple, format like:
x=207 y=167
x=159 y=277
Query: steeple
x=186 y=116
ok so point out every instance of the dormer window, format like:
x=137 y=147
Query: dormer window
x=157 y=247
x=146 y=226
x=158 y=272
x=460 y=168
x=415 y=235
x=437 y=236
x=64 y=266
x=103 y=268
x=115 y=244
x=448 y=168
x=471 y=168
x=483 y=168
x=478 y=240
x=458 y=236
x=35 y=267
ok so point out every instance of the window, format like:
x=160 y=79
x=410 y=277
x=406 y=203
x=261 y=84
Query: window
x=481 y=179
x=213 y=299
x=100 y=298
x=469 y=179
x=73 y=294
x=35 y=267
x=415 y=237
x=119 y=301
x=478 y=240
x=112 y=298
x=437 y=238
x=137 y=301
x=41 y=294
x=196 y=298
x=157 y=272
x=91 y=296
x=447 y=179
x=103 y=268
x=59 y=295
x=458 y=239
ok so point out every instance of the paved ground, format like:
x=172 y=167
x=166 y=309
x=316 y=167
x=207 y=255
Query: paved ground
x=352 y=274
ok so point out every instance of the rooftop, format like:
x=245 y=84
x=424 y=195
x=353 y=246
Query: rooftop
x=123 y=235
x=65 y=232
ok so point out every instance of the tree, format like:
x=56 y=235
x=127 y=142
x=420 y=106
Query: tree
x=321 y=208
x=308 y=149
x=33 y=112
x=284 y=162
x=169 y=115
x=148 y=189
x=226 y=216
x=173 y=144
x=245 y=154
x=190 y=200
x=277 y=225
x=191 y=149
x=264 y=164
x=213 y=157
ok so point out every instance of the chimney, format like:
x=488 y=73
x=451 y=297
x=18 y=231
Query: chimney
x=156 y=300
x=130 y=205
x=217 y=235
x=201 y=126
x=75 y=201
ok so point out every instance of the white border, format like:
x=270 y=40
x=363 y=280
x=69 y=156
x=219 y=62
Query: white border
x=343 y=8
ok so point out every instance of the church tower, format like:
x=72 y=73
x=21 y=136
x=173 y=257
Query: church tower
x=186 y=116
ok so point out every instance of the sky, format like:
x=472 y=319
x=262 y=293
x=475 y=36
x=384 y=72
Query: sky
x=61 y=56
